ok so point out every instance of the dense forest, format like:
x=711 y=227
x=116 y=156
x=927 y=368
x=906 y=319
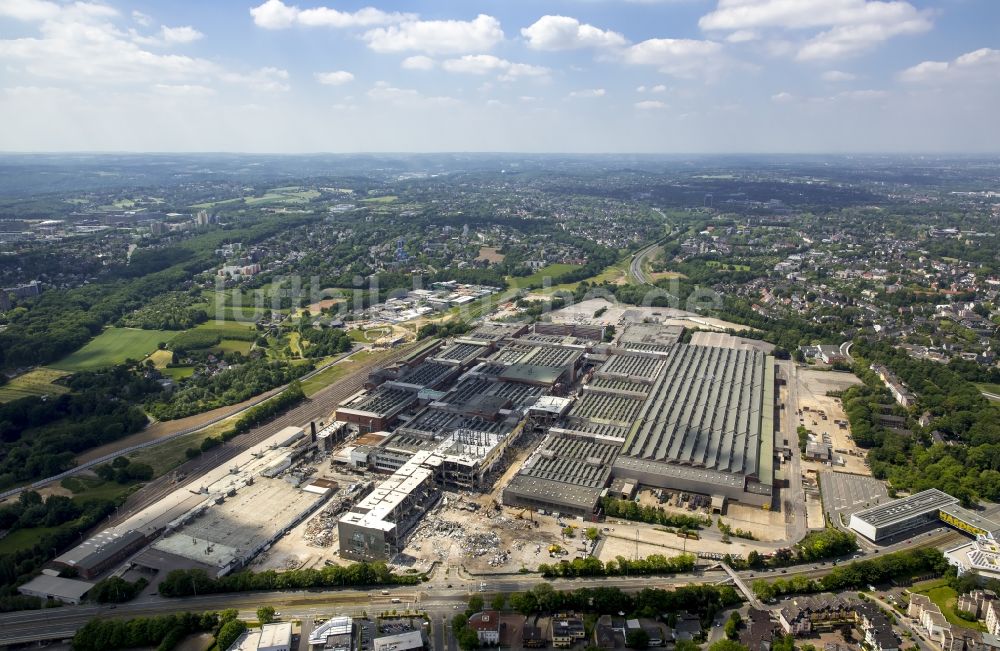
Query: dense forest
x=39 y=437
x=962 y=458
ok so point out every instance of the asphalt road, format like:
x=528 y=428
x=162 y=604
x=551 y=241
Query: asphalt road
x=635 y=267
x=434 y=597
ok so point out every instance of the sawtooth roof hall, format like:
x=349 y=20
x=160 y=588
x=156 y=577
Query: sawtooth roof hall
x=707 y=425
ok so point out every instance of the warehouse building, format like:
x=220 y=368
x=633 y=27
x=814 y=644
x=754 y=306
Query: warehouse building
x=920 y=509
x=101 y=552
x=707 y=425
x=56 y=588
x=376 y=411
x=566 y=474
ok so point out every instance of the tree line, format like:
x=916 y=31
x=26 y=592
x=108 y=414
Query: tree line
x=859 y=574
x=185 y=583
x=631 y=510
x=620 y=566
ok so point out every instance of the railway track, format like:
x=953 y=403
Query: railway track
x=319 y=407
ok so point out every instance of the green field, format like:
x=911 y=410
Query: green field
x=552 y=271
x=177 y=372
x=983 y=386
x=333 y=373
x=945 y=597
x=114 y=346
x=224 y=328
x=37 y=382
x=284 y=195
x=386 y=199
x=725 y=266
x=23 y=539
x=92 y=488
x=233 y=346
x=287 y=195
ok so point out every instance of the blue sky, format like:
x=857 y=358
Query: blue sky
x=517 y=75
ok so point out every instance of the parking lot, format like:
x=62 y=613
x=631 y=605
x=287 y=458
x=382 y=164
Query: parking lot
x=846 y=493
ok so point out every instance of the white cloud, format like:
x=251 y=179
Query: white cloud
x=183 y=90
x=659 y=88
x=184 y=34
x=437 y=36
x=853 y=39
x=168 y=36
x=80 y=43
x=335 y=78
x=267 y=79
x=640 y=89
x=743 y=36
x=275 y=14
x=650 y=105
x=852 y=26
x=29 y=10
x=142 y=19
x=418 y=62
x=566 y=33
x=484 y=64
x=862 y=95
x=587 y=93
x=979 y=65
x=382 y=92
x=838 y=76
x=782 y=97
x=676 y=56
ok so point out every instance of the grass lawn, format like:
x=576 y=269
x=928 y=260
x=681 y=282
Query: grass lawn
x=161 y=358
x=167 y=456
x=983 y=386
x=224 y=328
x=295 y=343
x=23 y=539
x=537 y=278
x=234 y=345
x=725 y=266
x=386 y=199
x=37 y=382
x=330 y=375
x=85 y=488
x=945 y=597
x=178 y=372
x=114 y=346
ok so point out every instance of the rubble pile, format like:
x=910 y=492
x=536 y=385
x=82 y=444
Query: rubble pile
x=481 y=544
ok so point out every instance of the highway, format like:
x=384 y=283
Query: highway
x=635 y=267
x=435 y=596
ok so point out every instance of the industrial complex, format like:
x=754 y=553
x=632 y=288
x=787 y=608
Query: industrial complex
x=644 y=408
x=547 y=418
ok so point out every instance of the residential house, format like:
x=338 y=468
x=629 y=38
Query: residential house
x=931 y=620
x=486 y=624
x=566 y=630
x=760 y=631
x=532 y=636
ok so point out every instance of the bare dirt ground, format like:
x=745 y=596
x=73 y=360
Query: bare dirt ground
x=620 y=314
x=621 y=541
x=814 y=512
x=490 y=254
x=813 y=401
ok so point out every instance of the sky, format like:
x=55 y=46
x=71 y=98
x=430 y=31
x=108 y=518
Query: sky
x=589 y=76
